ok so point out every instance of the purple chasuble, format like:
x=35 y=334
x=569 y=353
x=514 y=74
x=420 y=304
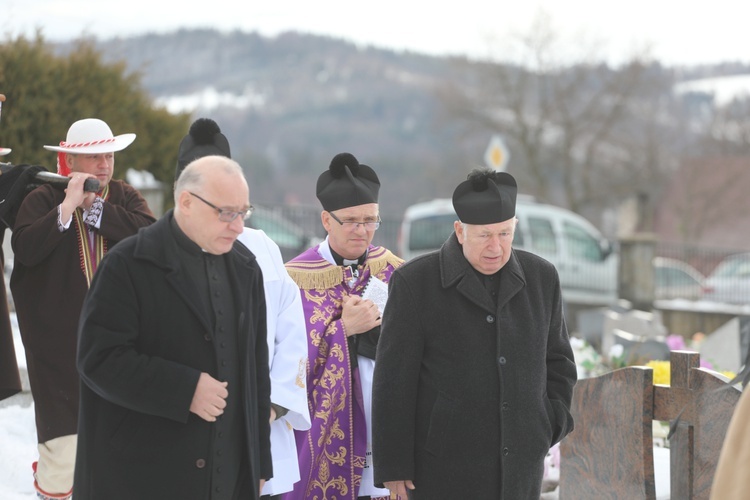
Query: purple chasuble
x=332 y=452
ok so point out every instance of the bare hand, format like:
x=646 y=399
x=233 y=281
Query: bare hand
x=273 y=415
x=262 y=483
x=209 y=399
x=359 y=315
x=399 y=487
x=75 y=196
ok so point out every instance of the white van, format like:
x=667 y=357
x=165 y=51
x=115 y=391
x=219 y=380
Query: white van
x=585 y=260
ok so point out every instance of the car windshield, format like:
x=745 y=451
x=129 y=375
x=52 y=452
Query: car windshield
x=672 y=276
x=733 y=267
x=429 y=233
x=281 y=231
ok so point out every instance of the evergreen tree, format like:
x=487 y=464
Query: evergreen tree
x=47 y=92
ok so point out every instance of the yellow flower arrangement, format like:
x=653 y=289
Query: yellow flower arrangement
x=662 y=371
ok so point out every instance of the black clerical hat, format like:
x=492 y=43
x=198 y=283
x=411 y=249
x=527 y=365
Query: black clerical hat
x=203 y=139
x=347 y=183
x=486 y=197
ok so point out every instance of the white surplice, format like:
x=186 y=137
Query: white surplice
x=287 y=348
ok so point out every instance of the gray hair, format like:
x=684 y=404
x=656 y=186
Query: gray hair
x=464 y=225
x=191 y=179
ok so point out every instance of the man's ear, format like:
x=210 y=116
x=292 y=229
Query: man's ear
x=459 y=229
x=70 y=160
x=185 y=201
x=325 y=219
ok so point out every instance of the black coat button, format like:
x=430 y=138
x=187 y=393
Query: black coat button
x=506 y=405
x=501 y=360
x=490 y=318
x=506 y=451
x=207 y=338
x=200 y=463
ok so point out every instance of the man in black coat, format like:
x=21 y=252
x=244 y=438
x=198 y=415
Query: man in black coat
x=172 y=352
x=474 y=372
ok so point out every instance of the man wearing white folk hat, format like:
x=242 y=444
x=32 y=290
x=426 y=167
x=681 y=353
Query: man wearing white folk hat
x=58 y=241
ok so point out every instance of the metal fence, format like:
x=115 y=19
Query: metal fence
x=704 y=259
x=725 y=272
x=700 y=259
x=308 y=220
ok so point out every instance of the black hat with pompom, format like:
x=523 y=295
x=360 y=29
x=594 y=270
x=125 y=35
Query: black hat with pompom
x=347 y=183
x=486 y=197
x=203 y=139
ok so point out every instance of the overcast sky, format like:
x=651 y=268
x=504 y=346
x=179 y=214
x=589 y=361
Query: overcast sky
x=678 y=32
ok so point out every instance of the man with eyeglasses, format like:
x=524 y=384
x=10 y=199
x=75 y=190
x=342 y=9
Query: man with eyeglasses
x=287 y=344
x=175 y=393
x=336 y=278
x=475 y=373
x=59 y=239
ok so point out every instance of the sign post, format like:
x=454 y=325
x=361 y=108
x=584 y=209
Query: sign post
x=497 y=155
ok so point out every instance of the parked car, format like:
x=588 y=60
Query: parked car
x=675 y=279
x=586 y=261
x=290 y=237
x=730 y=281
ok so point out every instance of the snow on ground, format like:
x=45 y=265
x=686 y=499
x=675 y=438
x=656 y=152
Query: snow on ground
x=17 y=451
x=17 y=438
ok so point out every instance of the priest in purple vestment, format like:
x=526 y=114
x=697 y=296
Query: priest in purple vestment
x=343 y=286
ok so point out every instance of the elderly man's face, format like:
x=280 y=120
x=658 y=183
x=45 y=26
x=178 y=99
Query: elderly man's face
x=348 y=239
x=101 y=165
x=486 y=247
x=202 y=225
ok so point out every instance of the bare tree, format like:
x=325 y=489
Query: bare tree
x=729 y=128
x=707 y=198
x=584 y=135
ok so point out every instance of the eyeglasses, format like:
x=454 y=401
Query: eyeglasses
x=351 y=225
x=227 y=215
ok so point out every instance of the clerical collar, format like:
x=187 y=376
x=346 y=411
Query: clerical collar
x=340 y=261
x=183 y=240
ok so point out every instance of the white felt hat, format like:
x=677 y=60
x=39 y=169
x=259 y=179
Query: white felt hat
x=91 y=136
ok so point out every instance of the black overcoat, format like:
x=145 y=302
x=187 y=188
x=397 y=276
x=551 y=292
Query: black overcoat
x=10 y=378
x=468 y=396
x=144 y=338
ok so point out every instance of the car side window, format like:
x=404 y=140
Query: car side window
x=542 y=235
x=518 y=241
x=276 y=230
x=743 y=269
x=580 y=243
x=429 y=233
